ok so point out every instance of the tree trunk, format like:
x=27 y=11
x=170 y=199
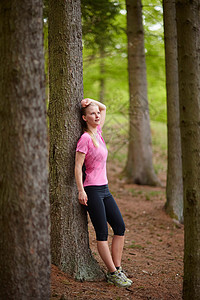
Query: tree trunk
x=174 y=189
x=188 y=24
x=139 y=167
x=69 y=234
x=24 y=203
x=102 y=75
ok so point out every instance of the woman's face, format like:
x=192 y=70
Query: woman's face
x=93 y=115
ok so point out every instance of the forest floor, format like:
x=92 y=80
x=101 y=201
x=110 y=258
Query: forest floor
x=153 y=251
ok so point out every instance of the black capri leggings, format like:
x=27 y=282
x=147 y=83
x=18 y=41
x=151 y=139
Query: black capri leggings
x=102 y=208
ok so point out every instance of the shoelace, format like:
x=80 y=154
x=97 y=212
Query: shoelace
x=121 y=275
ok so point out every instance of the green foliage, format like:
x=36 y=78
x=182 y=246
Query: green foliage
x=104 y=25
x=116 y=74
x=98 y=23
x=159 y=136
x=116 y=137
x=154 y=46
x=103 y=41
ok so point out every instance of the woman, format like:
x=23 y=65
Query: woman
x=94 y=193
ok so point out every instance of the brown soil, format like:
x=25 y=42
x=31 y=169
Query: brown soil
x=153 y=252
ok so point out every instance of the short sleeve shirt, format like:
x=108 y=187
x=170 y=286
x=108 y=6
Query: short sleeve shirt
x=95 y=158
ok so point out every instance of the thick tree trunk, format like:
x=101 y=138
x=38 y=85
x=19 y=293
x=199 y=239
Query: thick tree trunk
x=139 y=167
x=69 y=234
x=188 y=33
x=24 y=203
x=174 y=189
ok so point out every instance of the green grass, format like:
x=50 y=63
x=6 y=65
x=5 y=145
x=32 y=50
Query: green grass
x=136 y=193
x=148 y=195
x=135 y=246
x=159 y=135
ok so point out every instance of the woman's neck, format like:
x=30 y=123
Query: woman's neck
x=93 y=130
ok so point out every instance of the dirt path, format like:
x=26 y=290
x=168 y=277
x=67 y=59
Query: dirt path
x=153 y=252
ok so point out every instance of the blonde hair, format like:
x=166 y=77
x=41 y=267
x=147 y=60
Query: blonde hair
x=84 y=125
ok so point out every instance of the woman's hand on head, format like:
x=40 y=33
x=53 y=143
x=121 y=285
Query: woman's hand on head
x=82 y=197
x=85 y=102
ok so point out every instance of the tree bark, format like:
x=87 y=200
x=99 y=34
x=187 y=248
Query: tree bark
x=174 y=189
x=188 y=33
x=24 y=202
x=102 y=74
x=69 y=234
x=139 y=167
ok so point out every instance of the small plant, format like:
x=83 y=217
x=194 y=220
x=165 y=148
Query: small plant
x=151 y=194
x=135 y=193
x=150 y=257
x=134 y=245
x=148 y=242
x=147 y=198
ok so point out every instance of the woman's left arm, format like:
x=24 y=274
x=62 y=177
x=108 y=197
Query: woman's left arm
x=102 y=108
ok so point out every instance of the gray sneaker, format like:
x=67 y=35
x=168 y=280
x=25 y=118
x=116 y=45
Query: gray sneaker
x=124 y=275
x=118 y=279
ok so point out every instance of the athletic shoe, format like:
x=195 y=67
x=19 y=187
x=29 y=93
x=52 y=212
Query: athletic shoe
x=124 y=275
x=118 y=279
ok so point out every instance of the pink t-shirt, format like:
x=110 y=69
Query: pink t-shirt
x=95 y=158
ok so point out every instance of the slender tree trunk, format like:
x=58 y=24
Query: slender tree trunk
x=102 y=75
x=188 y=33
x=69 y=234
x=174 y=189
x=24 y=203
x=139 y=167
